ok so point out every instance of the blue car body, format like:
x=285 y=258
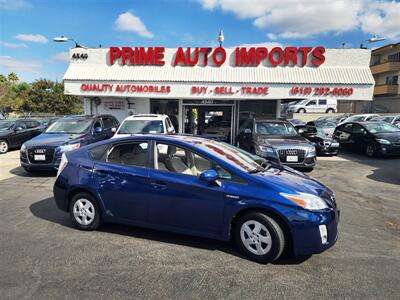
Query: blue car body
x=50 y=144
x=185 y=204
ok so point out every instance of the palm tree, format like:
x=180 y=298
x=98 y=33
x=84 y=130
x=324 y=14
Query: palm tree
x=13 y=77
x=3 y=79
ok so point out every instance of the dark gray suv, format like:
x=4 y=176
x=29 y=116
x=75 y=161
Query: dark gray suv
x=277 y=141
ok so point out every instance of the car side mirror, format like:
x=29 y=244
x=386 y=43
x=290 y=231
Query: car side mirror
x=209 y=176
x=18 y=128
x=247 y=131
x=98 y=130
x=114 y=129
x=301 y=130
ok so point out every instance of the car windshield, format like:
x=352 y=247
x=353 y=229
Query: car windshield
x=355 y=118
x=381 y=128
x=78 y=125
x=141 y=126
x=325 y=124
x=229 y=154
x=5 y=125
x=272 y=128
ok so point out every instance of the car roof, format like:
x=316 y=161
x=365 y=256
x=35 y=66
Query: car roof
x=146 y=117
x=85 y=116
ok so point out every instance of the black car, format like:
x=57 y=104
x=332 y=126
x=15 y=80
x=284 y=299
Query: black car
x=324 y=144
x=278 y=141
x=66 y=134
x=372 y=138
x=13 y=133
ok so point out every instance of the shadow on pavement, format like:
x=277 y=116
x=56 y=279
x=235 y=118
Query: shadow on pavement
x=46 y=209
x=386 y=169
x=19 y=171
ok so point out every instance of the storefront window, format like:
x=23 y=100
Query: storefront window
x=166 y=107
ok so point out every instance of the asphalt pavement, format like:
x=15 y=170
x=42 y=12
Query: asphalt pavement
x=43 y=256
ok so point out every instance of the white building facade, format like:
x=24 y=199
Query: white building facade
x=189 y=84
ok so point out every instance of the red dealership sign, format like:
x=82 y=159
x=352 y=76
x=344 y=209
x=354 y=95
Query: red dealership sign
x=252 y=56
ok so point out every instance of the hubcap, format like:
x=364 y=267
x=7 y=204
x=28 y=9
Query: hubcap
x=83 y=211
x=3 y=147
x=255 y=237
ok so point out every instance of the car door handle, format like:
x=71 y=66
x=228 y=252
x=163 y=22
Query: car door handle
x=159 y=186
x=229 y=196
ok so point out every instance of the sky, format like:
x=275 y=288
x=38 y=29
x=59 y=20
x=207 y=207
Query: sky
x=27 y=27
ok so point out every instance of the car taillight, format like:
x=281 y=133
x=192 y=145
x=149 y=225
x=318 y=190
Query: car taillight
x=63 y=164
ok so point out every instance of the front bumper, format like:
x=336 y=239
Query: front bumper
x=306 y=234
x=51 y=165
x=392 y=149
x=307 y=162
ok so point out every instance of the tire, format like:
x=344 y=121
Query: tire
x=370 y=151
x=307 y=169
x=301 y=111
x=27 y=170
x=3 y=146
x=330 y=111
x=86 y=215
x=268 y=229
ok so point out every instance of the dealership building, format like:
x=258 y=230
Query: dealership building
x=190 y=84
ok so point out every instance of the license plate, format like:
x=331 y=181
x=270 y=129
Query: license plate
x=40 y=157
x=292 y=158
x=335 y=145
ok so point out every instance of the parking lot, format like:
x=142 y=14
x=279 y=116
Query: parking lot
x=44 y=256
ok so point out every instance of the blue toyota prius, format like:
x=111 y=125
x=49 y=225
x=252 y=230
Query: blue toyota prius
x=200 y=187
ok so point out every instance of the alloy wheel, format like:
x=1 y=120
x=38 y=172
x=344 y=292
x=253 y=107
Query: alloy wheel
x=370 y=151
x=3 y=147
x=255 y=237
x=83 y=211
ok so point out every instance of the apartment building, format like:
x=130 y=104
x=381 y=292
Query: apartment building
x=385 y=67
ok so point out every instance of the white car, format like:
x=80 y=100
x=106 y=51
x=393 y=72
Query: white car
x=314 y=106
x=359 y=118
x=145 y=124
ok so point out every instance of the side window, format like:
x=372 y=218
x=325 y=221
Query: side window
x=322 y=101
x=347 y=128
x=130 y=154
x=20 y=124
x=107 y=122
x=169 y=125
x=312 y=102
x=178 y=160
x=357 y=129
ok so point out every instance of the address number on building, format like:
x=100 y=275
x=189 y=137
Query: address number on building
x=320 y=91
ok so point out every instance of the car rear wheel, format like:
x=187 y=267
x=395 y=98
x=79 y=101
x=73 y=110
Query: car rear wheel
x=84 y=212
x=3 y=146
x=330 y=111
x=259 y=237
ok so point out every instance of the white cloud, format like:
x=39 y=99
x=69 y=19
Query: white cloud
x=268 y=45
x=129 y=22
x=17 y=65
x=13 y=4
x=12 y=45
x=62 y=56
x=382 y=18
x=289 y=19
x=34 y=38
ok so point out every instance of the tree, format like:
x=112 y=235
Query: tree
x=3 y=79
x=48 y=96
x=12 y=77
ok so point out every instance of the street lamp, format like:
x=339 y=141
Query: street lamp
x=373 y=39
x=221 y=38
x=63 y=39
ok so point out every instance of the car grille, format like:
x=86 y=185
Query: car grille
x=47 y=152
x=284 y=153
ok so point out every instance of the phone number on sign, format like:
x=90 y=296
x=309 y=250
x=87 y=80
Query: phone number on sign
x=321 y=91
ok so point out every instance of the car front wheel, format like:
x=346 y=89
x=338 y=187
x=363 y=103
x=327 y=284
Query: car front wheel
x=85 y=212
x=259 y=237
x=370 y=151
x=3 y=146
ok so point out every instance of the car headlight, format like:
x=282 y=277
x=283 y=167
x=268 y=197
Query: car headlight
x=263 y=148
x=69 y=147
x=307 y=201
x=23 y=148
x=311 y=152
x=383 y=141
